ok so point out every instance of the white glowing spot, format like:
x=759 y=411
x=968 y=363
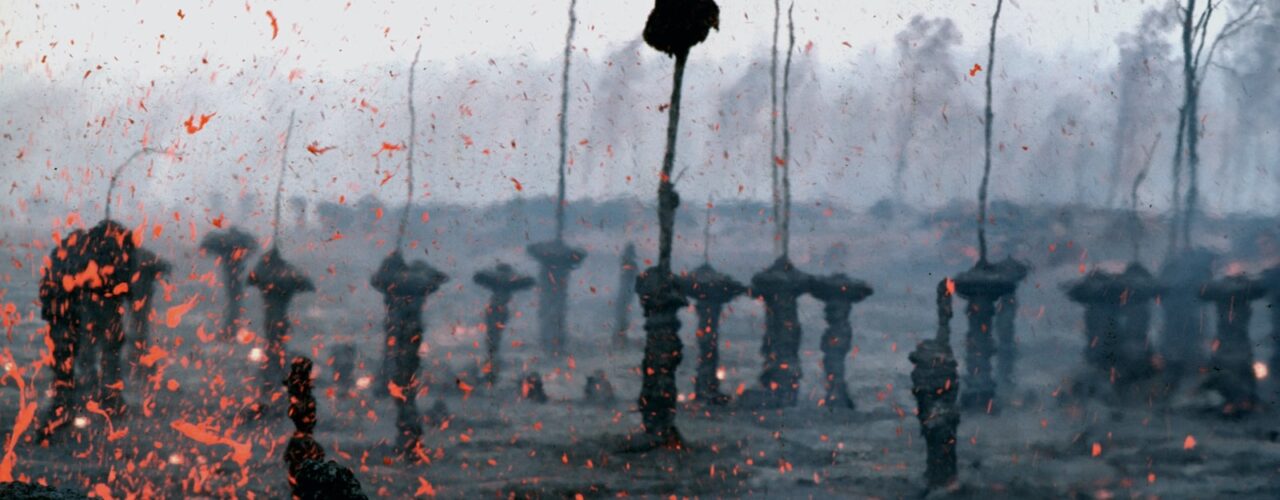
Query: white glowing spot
x=1259 y=370
x=681 y=397
x=364 y=382
x=9 y=366
x=719 y=373
x=424 y=349
x=175 y=459
x=80 y=422
x=256 y=355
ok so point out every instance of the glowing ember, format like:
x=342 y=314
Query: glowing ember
x=81 y=422
x=256 y=355
x=1189 y=443
x=364 y=382
x=719 y=373
x=245 y=336
x=175 y=459
x=1259 y=370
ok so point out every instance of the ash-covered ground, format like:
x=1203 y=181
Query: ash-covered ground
x=1046 y=443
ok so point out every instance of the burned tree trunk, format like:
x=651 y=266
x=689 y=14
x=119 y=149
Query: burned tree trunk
x=673 y=28
x=1006 y=324
x=780 y=287
x=278 y=281
x=1233 y=376
x=557 y=261
x=232 y=249
x=310 y=476
x=710 y=290
x=404 y=288
x=60 y=307
x=1117 y=320
x=150 y=268
x=503 y=282
x=838 y=294
x=935 y=384
x=982 y=286
x=1182 y=343
x=110 y=246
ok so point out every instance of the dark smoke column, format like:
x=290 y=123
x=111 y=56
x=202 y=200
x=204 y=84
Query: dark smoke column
x=110 y=250
x=502 y=282
x=711 y=290
x=673 y=28
x=628 y=269
x=404 y=288
x=59 y=306
x=278 y=281
x=1233 y=374
x=838 y=294
x=935 y=383
x=150 y=268
x=557 y=260
x=232 y=248
x=780 y=286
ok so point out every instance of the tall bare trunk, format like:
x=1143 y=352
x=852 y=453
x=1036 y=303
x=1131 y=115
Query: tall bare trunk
x=564 y=118
x=988 y=117
x=413 y=134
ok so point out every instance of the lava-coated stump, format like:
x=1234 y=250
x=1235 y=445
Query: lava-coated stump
x=150 y=269
x=558 y=260
x=935 y=384
x=503 y=282
x=628 y=269
x=1231 y=371
x=1006 y=323
x=780 y=286
x=981 y=286
x=838 y=294
x=598 y=389
x=310 y=476
x=111 y=265
x=710 y=290
x=663 y=351
x=405 y=287
x=278 y=281
x=1183 y=345
x=531 y=388
x=1117 y=318
x=1271 y=280
x=60 y=307
x=232 y=248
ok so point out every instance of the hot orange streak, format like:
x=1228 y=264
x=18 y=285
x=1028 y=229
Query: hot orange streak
x=240 y=452
x=173 y=317
x=26 y=414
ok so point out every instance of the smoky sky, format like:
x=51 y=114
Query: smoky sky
x=1080 y=90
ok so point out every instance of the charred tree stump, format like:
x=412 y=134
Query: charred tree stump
x=232 y=249
x=503 y=282
x=557 y=261
x=150 y=269
x=310 y=476
x=1006 y=325
x=60 y=307
x=404 y=288
x=343 y=362
x=278 y=281
x=663 y=351
x=838 y=294
x=710 y=290
x=622 y=304
x=935 y=383
x=531 y=388
x=1117 y=320
x=1231 y=371
x=112 y=263
x=981 y=286
x=780 y=286
x=1183 y=345
x=598 y=389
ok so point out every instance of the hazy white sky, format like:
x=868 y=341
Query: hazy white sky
x=95 y=61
